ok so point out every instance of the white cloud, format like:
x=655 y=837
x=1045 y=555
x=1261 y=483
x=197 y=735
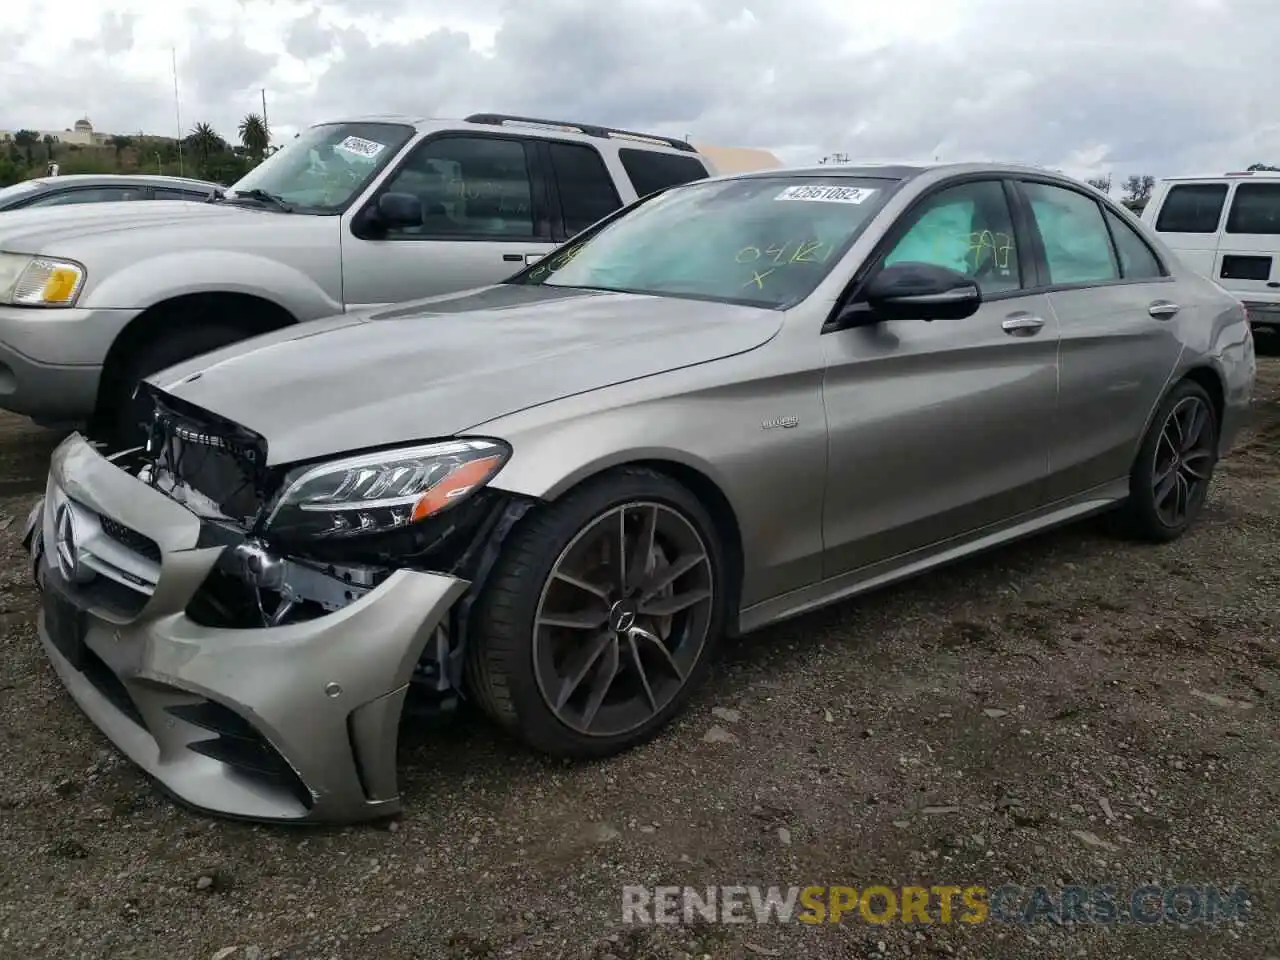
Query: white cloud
x=1124 y=86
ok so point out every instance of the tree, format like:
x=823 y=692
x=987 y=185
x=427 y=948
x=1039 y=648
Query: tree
x=120 y=143
x=1137 y=189
x=49 y=141
x=254 y=135
x=205 y=142
x=1102 y=183
x=26 y=140
x=1261 y=166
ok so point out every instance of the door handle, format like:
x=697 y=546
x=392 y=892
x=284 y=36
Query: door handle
x=1163 y=309
x=1023 y=325
x=513 y=258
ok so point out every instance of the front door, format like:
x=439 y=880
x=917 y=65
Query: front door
x=940 y=428
x=482 y=221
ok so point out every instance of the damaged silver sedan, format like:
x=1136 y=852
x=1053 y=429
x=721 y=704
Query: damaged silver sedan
x=734 y=402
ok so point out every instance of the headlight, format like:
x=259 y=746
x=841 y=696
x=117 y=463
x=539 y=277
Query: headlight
x=39 y=281
x=376 y=492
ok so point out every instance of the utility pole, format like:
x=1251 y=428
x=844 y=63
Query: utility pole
x=265 y=125
x=177 y=110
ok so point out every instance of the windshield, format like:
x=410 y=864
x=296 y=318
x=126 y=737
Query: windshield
x=18 y=190
x=324 y=167
x=766 y=241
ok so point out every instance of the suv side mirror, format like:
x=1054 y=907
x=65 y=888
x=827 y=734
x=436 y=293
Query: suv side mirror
x=918 y=291
x=399 y=210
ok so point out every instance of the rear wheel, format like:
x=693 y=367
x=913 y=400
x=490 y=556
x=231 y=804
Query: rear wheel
x=601 y=616
x=119 y=419
x=1170 y=478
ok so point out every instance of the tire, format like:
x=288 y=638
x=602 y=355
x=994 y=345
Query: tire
x=1140 y=516
x=118 y=420
x=501 y=675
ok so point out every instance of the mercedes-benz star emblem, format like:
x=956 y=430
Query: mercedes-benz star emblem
x=66 y=550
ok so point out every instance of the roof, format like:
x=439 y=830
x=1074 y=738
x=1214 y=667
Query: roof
x=908 y=170
x=1230 y=175
x=573 y=129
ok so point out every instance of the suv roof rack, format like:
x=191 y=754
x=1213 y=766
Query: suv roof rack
x=589 y=129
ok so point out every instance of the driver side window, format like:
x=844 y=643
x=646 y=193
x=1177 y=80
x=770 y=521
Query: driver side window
x=470 y=188
x=967 y=228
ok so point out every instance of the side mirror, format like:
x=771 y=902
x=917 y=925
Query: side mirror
x=399 y=210
x=919 y=291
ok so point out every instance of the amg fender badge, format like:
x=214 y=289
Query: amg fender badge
x=786 y=423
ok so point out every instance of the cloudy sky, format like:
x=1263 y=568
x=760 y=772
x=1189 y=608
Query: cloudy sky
x=1090 y=86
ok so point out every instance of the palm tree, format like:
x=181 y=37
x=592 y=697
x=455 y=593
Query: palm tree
x=27 y=139
x=254 y=135
x=120 y=143
x=49 y=141
x=204 y=140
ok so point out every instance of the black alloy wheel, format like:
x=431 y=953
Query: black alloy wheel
x=1170 y=480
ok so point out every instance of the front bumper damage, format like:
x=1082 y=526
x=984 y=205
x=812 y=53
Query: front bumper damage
x=295 y=722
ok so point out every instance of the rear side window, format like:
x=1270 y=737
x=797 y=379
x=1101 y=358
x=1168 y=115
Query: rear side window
x=1137 y=262
x=1192 y=208
x=651 y=171
x=1255 y=209
x=586 y=190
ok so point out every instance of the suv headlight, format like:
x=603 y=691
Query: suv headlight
x=29 y=281
x=376 y=492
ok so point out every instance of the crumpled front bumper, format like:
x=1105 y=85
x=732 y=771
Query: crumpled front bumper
x=295 y=723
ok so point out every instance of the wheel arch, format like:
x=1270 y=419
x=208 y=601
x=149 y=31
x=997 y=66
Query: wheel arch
x=250 y=312
x=1206 y=376
x=698 y=480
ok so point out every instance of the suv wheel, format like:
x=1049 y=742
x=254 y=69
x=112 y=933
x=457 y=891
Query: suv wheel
x=120 y=419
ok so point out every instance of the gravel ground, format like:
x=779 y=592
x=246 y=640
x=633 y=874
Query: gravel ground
x=1073 y=709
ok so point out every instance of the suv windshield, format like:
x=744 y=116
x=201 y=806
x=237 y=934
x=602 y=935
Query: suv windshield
x=321 y=169
x=765 y=241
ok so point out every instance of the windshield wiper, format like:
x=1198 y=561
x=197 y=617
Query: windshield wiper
x=280 y=203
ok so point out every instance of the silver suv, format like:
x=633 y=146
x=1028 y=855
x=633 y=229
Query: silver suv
x=349 y=215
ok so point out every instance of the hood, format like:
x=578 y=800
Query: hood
x=38 y=229
x=440 y=367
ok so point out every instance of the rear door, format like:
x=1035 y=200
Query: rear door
x=1249 y=250
x=583 y=191
x=1188 y=216
x=485 y=214
x=1118 y=319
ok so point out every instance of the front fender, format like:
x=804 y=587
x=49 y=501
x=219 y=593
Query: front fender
x=166 y=276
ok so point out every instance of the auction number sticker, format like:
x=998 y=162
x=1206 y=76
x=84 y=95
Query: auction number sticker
x=826 y=194
x=365 y=148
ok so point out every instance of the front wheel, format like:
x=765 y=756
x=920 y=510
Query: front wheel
x=601 y=616
x=1170 y=478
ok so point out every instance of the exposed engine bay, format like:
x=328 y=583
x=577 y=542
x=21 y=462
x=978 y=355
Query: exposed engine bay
x=218 y=471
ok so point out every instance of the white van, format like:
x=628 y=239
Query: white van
x=1226 y=227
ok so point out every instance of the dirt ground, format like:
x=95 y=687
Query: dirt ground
x=1074 y=709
